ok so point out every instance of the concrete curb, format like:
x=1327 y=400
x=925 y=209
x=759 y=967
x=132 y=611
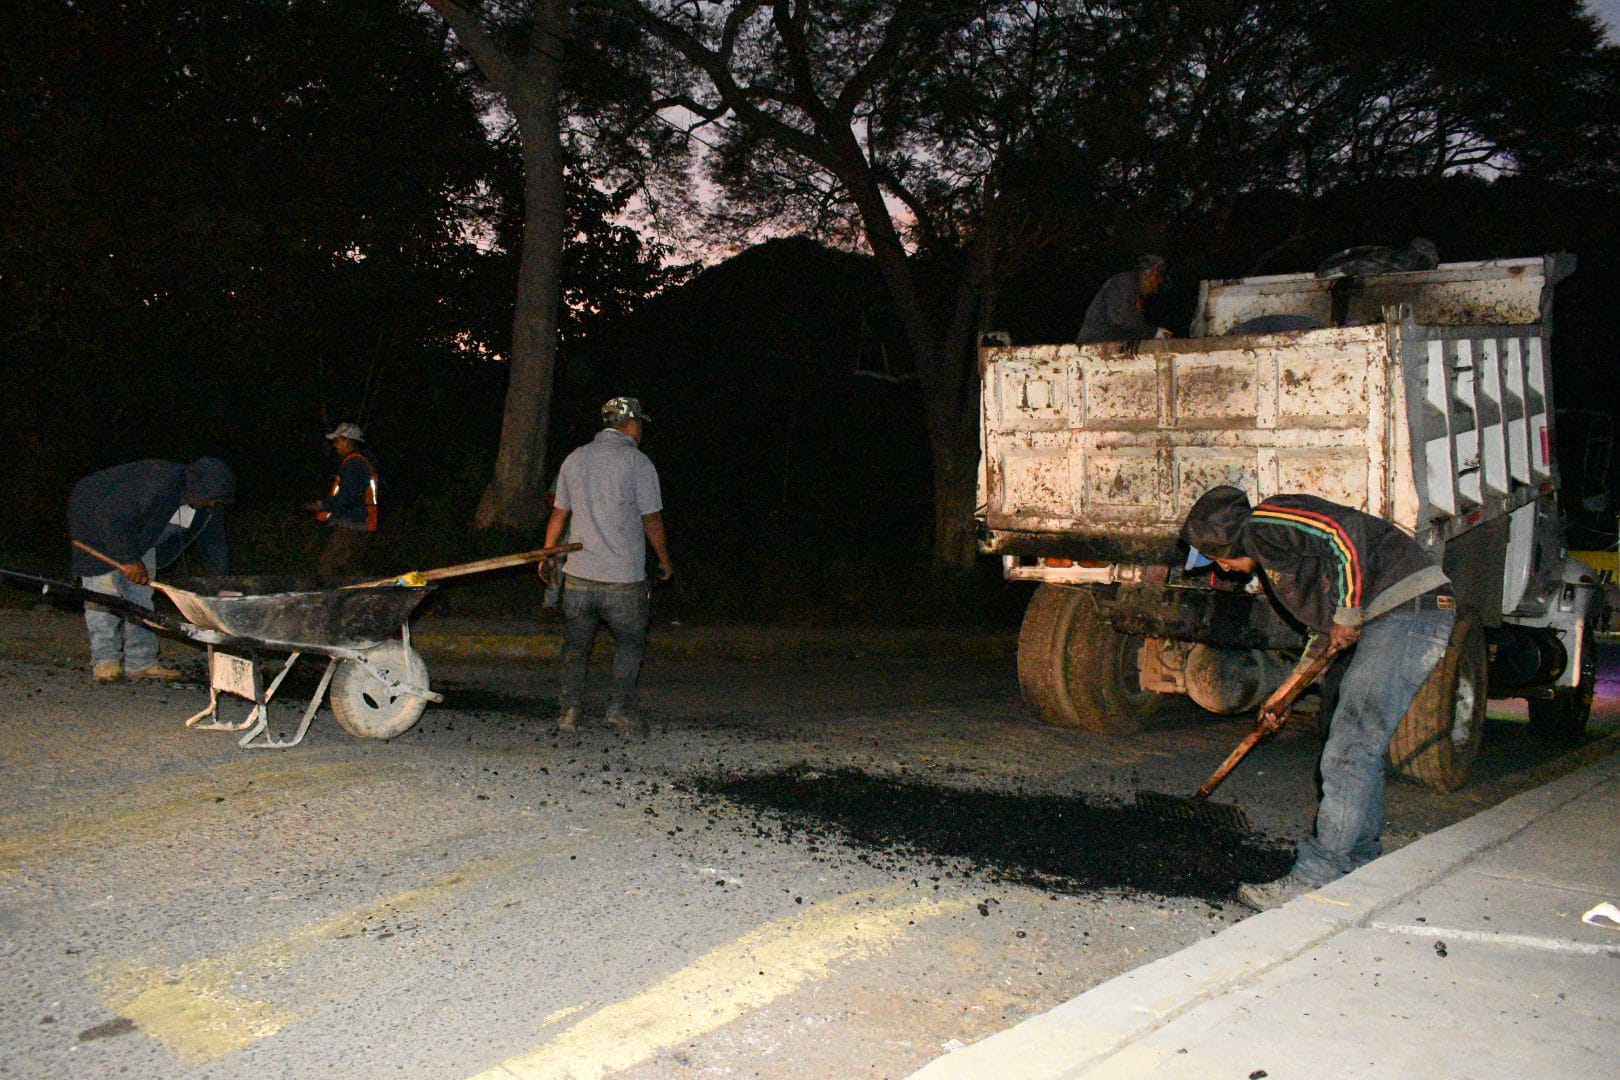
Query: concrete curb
x=1068 y=1041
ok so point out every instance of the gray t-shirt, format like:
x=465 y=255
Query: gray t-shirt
x=606 y=486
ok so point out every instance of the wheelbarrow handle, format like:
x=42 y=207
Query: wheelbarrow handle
x=497 y=563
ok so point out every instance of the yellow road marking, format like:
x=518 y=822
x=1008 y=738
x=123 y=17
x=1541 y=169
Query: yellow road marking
x=142 y=819
x=722 y=985
x=193 y=1011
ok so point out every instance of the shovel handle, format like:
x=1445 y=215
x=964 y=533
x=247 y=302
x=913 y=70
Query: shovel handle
x=108 y=559
x=1238 y=754
x=1279 y=704
x=497 y=563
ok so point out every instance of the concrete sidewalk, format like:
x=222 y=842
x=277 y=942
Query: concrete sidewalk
x=1463 y=954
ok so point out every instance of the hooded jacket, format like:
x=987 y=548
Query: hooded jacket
x=127 y=510
x=1323 y=562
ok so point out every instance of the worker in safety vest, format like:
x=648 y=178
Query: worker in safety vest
x=350 y=510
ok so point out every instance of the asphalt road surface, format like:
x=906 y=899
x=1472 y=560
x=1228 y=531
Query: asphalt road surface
x=486 y=897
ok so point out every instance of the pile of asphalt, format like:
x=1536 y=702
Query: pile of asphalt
x=1056 y=843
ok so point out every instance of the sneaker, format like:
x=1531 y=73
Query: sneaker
x=107 y=671
x=1273 y=894
x=568 y=719
x=628 y=724
x=158 y=672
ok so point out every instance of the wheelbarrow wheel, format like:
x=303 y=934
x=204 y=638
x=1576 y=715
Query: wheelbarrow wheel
x=366 y=707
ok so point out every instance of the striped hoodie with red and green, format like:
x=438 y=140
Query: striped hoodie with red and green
x=1329 y=564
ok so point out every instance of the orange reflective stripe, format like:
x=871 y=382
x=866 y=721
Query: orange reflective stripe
x=369 y=496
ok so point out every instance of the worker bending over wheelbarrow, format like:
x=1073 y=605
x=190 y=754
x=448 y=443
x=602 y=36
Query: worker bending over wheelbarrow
x=142 y=516
x=1356 y=580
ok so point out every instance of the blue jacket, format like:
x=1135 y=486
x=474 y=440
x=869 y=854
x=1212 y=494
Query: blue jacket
x=125 y=511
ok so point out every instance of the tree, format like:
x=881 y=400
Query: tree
x=958 y=140
x=521 y=56
x=562 y=79
x=218 y=217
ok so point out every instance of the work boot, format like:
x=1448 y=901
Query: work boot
x=627 y=723
x=568 y=719
x=157 y=672
x=1273 y=894
x=107 y=671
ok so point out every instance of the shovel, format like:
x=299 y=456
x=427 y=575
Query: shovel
x=1273 y=715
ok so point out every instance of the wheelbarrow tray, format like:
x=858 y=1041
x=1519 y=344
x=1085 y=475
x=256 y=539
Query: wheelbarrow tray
x=294 y=611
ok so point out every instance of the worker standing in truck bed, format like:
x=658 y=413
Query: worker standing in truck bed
x=1116 y=312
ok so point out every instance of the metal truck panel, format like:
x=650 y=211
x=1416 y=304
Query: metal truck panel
x=1436 y=428
x=1493 y=292
x=1119 y=441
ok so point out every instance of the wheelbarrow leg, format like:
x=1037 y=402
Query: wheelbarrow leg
x=237 y=679
x=247 y=741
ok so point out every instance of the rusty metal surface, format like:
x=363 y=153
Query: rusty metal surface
x=1235 y=620
x=1117 y=442
x=263 y=609
x=1499 y=292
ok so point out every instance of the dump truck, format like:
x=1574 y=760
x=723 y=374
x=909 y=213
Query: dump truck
x=1422 y=397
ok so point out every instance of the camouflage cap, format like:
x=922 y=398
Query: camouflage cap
x=620 y=409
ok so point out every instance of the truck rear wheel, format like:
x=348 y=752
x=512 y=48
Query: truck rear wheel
x=1076 y=670
x=1561 y=719
x=1440 y=733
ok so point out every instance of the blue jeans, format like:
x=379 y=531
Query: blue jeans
x=113 y=637
x=1392 y=660
x=624 y=608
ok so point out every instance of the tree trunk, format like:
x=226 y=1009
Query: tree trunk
x=953 y=444
x=515 y=497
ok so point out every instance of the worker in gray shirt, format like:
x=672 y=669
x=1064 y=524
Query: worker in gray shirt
x=1115 y=313
x=608 y=499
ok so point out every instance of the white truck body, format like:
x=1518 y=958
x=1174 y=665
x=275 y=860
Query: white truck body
x=1424 y=400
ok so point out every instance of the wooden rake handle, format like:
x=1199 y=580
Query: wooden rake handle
x=1277 y=708
x=499 y=562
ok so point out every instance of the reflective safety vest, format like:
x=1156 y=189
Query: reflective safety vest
x=369 y=495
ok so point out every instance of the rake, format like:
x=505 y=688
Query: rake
x=1276 y=712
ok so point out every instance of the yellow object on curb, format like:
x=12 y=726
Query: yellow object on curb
x=415 y=579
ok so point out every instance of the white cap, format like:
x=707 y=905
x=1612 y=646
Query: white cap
x=351 y=432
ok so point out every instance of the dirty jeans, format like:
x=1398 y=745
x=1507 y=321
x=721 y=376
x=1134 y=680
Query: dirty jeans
x=624 y=608
x=112 y=637
x=1392 y=660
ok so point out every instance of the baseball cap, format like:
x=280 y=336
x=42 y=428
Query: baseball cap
x=351 y=432
x=620 y=409
x=1197 y=559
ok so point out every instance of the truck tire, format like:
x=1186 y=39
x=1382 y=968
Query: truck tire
x=1440 y=733
x=1561 y=719
x=366 y=708
x=1076 y=670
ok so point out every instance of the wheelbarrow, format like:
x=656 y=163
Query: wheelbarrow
x=375 y=682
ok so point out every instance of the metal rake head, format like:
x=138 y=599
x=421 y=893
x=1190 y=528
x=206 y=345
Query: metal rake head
x=1182 y=808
